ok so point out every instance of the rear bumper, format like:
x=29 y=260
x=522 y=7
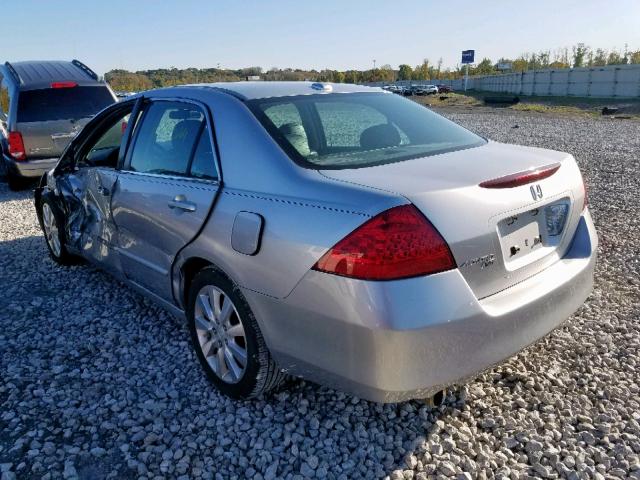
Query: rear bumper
x=393 y=341
x=30 y=168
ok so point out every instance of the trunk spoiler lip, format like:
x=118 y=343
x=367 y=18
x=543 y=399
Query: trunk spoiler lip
x=523 y=177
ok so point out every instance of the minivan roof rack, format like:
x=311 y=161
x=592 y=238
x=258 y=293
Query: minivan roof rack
x=85 y=69
x=13 y=72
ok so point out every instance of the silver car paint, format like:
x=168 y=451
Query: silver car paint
x=393 y=341
x=385 y=341
x=445 y=188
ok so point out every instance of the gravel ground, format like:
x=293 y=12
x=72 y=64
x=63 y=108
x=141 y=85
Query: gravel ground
x=96 y=382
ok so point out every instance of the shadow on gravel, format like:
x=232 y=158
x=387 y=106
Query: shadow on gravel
x=7 y=195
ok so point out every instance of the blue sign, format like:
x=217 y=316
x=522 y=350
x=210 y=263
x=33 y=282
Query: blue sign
x=467 y=56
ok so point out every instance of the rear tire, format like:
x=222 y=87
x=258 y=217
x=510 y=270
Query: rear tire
x=224 y=331
x=52 y=223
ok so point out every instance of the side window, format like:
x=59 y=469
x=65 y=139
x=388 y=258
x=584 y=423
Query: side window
x=105 y=150
x=343 y=123
x=203 y=164
x=286 y=118
x=166 y=138
x=4 y=96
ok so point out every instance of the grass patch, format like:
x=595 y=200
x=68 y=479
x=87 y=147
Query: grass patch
x=627 y=107
x=447 y=100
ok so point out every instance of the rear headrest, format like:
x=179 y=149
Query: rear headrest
x=380 y=136
x=292 y=129
x=184 y=134
x=296 y=136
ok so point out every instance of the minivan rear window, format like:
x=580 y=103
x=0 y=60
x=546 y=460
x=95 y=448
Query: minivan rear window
x=62 y=103
x=354 y=130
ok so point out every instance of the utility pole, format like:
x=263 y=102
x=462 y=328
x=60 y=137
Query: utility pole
x=374 y=64
x=466 y=75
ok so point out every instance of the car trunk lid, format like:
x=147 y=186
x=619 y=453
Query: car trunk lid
x=498 y=236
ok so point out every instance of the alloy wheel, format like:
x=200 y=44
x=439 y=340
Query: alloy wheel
x=51 y=229
x=221 y=335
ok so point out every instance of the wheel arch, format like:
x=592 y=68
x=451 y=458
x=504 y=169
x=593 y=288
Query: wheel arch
x=187 y=269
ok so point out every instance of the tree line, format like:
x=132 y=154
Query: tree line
x=579 y=55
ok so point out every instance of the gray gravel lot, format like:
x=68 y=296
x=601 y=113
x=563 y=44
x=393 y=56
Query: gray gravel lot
x=96 y=382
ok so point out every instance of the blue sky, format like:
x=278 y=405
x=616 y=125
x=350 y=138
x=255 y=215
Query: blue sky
x=143 y=34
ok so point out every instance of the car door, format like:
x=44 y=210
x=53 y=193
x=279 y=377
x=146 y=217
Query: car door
x=164 y=191
x=91 y=166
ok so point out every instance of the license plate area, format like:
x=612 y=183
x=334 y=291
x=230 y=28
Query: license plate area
x=520 y=235
x=527 y=236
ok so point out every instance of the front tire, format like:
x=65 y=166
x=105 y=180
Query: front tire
x=227 y=338
x=52 y=222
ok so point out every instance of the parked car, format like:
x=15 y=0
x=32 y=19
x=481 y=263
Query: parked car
x=334 y=232
x=42 y=107
x=424 y=90
x=444 y=89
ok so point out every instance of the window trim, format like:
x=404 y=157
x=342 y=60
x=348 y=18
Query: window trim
x=146 y=102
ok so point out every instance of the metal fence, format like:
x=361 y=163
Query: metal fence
x=611 y=81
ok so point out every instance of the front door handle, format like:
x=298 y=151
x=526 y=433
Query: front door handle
x=180 y=202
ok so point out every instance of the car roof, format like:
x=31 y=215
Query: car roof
x=40 y=74
x=258 y=89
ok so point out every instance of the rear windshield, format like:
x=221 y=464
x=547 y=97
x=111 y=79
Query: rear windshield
x=355 y=130
x=62 y=103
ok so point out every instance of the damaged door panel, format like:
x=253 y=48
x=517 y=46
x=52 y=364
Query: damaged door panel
x=90 y=228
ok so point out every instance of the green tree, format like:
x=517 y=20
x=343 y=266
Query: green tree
x=615 y=58
x=485 y=67
x=423 y=71
x=338 y=77
x=405 y=72
x=599 y=58
x=580 y=54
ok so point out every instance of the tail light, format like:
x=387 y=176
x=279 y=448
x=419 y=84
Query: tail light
x=585 y=198
x=398 y=243
x=64 y=84
x=16 y=146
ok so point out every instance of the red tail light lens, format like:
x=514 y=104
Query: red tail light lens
x=397 y=243
x=16 y=146
x=64 y=84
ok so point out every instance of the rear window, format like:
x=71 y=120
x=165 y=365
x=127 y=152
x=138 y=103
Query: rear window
x=62 y=103
x=358 y=129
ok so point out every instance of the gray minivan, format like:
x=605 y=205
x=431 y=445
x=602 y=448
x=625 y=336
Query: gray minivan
x=43 y=105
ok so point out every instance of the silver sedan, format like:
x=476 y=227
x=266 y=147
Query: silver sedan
x=334 y=232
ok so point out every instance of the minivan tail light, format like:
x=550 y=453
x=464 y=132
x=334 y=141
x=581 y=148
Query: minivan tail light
x=64 y=84
x=16 y=146
x=522 y=178
x=397 y=243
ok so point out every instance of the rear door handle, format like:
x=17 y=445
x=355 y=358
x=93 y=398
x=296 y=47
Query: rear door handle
x=180 y=202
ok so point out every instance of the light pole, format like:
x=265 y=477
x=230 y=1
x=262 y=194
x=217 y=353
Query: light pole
x=374 y=64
